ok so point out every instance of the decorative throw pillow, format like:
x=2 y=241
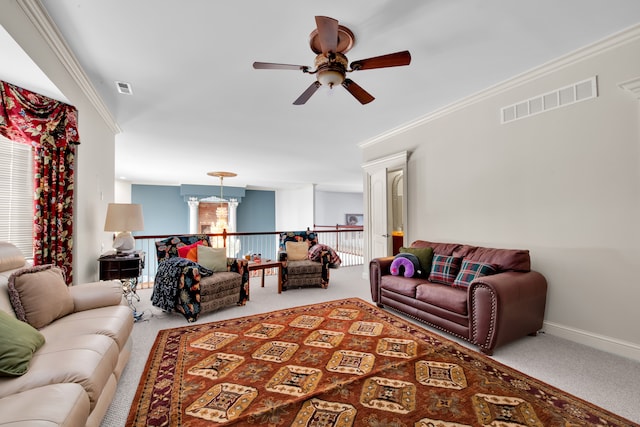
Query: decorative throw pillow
x=408 y=264
x=18 y=342
x=471 y=270
x=444 y=269
x=190 y=251
x=214 y=259
x=297 y=251
x=168 y=248
x=39 y=295
x=425 y=255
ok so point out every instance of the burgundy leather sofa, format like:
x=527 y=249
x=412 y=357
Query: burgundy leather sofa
x=492 y=311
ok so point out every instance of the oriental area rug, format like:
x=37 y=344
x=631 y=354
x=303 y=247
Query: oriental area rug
x=339 y=364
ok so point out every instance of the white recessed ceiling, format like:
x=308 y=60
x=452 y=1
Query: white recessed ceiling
x=198 y=105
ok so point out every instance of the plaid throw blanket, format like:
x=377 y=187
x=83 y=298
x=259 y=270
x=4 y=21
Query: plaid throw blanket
x=316 y=251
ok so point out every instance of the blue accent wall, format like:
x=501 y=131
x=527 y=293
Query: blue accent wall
x=166 y=211
x=257 y=212
x=163 y=208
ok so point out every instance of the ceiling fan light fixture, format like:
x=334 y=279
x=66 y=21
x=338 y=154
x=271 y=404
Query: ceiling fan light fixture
x=331 y=70
x=330 y=78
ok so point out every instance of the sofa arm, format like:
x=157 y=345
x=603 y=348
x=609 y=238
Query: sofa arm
x=378 y=267
x=506 y=306
x=92 y=295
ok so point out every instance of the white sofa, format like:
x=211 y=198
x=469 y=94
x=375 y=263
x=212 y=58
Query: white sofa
x=70 y=380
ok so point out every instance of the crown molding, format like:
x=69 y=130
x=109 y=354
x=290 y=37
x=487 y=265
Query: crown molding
x=621 y=38
x=37 y=14
x=388 y=161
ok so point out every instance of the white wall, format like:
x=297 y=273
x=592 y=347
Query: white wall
x=95 y=155
x=304 y=207
x=332 y=206
x=564 y=184
x=122 y=191
x=295 y=208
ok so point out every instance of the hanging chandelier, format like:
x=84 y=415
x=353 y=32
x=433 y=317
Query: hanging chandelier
x=222 y=211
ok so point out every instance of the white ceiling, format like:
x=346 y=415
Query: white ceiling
x=199 y=106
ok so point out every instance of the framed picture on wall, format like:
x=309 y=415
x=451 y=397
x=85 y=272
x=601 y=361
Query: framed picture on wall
x=353 y=219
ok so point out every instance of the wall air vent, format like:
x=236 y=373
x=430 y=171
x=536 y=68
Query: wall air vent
x=577 y=92
x=124 y=88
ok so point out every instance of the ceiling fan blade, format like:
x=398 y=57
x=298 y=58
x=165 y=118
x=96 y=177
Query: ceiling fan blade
x=360 y=94
x=307 y=93
x=272 y=66
x=391 y=60
x=327 y=34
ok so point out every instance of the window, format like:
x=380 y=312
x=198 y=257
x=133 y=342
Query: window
x=16 y=195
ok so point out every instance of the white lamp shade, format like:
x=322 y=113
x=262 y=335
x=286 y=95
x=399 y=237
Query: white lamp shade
x=124 y=217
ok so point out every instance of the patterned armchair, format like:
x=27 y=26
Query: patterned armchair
x=184 y=285
x=305 y=262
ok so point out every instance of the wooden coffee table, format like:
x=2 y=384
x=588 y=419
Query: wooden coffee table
x=263 y=265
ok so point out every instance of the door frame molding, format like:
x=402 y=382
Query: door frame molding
x=393 y=162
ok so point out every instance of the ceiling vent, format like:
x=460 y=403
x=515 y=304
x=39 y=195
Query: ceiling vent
x=562 y=97
x=124 y=88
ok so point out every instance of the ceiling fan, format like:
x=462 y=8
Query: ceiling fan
x=330 y=42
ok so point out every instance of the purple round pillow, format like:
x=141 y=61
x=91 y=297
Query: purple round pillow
x=404 y=264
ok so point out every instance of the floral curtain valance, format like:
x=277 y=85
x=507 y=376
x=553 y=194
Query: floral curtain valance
x=50 y=127
x=35 y=119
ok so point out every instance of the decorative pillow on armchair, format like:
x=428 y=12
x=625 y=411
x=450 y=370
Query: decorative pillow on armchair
x=214 y=259
x=190 y=251
x=297 y=251
x=168 y=248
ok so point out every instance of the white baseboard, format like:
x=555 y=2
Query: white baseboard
x=611 y=345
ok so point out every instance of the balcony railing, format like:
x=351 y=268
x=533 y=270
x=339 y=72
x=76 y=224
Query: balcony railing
x=347 y=241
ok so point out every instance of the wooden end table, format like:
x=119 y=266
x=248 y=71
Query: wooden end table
x=124 y=267
x=263 y=265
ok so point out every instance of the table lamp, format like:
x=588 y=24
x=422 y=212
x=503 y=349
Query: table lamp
x=124 y=218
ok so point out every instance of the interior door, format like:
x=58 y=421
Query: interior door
x=379 y=207
x=380 y=235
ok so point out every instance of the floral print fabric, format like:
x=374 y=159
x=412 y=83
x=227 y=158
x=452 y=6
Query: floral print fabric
x=51 y=128
x=177 y=281
x=177 y=286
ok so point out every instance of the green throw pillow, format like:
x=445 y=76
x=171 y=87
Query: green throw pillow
x=214 y=259
x=18 y=342
x=425 y=255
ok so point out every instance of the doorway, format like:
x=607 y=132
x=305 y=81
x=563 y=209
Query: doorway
x=396 y=217
x=385 y=205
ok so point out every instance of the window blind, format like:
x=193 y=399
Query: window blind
x=16 y=195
